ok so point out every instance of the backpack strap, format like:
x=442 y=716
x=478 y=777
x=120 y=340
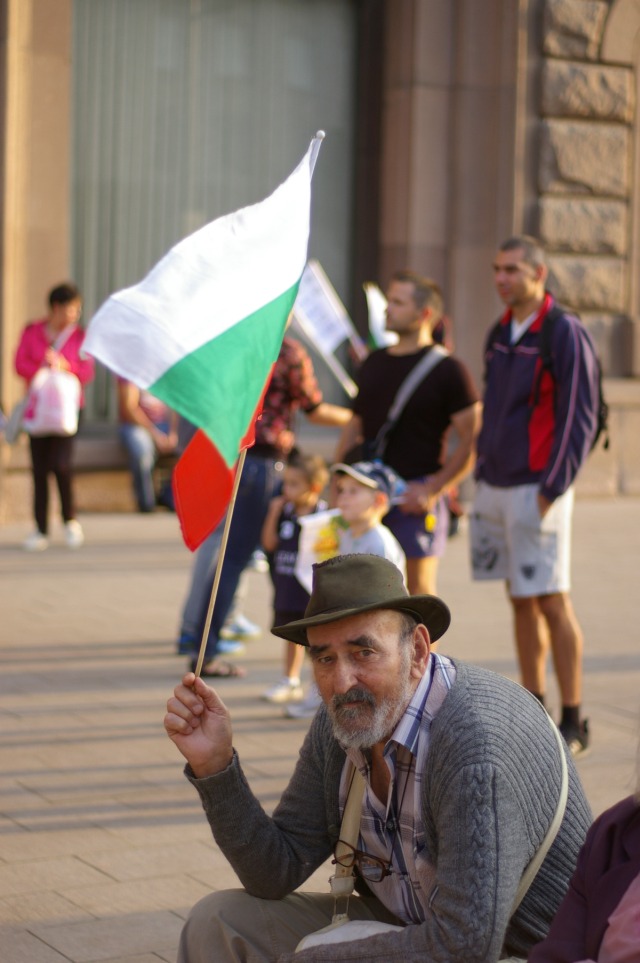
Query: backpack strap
x=544 y=347
x=415 y=378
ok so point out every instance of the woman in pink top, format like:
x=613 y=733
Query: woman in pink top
x=53 y=453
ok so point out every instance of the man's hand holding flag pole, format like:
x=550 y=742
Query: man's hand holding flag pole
x=202 y=332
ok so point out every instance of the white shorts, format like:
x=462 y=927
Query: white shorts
x=510 y=541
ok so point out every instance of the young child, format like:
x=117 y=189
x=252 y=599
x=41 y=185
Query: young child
x=305 y=477
x=365 y=492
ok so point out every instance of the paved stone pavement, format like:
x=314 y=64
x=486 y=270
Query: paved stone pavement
x=103 y=847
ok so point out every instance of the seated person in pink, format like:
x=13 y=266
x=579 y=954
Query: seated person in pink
x=148 y=428
x=599 y=918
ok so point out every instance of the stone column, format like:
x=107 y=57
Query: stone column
x=450 y=180
x=416 y=133
x=35 y=49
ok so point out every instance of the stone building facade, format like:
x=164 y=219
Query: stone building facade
x=589 y=197
x=476 y=119
x=586 y=187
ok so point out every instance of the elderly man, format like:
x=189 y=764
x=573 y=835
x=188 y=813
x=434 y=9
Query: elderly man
x=463 y=775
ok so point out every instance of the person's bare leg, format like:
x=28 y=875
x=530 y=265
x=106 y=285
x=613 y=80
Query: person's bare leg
x=567 y=645
x=294 y=659
x=421 y=575
x=532 y=643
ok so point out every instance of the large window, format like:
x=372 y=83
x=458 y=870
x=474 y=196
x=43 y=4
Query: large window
x=188 y=109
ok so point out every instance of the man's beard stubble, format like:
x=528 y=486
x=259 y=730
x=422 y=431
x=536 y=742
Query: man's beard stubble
x=355 y=728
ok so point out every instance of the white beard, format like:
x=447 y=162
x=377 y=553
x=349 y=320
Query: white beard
x=362 y=726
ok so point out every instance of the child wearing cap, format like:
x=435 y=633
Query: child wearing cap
x=305 y=477
x=365 y=493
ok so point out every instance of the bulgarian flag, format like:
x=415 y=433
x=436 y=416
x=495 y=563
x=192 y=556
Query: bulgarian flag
x=203 y=329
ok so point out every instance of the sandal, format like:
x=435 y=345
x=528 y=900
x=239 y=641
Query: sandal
x=218 y=669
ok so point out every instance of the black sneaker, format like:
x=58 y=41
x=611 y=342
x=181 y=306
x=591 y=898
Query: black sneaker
x=577 y=738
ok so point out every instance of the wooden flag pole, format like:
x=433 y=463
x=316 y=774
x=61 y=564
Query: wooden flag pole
x=316 y=143
x=221 y=553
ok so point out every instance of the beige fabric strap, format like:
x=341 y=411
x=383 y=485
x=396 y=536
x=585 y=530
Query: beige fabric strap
x=342 y=882
x=536 y=862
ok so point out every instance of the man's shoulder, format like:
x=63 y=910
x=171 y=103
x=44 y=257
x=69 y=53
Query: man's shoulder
x=560 y=312
x=452 y=362
x=474 y=677
x=558 y=320
x=482 y=700
x=376 y=358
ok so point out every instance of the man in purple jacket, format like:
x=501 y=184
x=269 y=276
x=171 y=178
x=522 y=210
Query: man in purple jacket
x=539 y=423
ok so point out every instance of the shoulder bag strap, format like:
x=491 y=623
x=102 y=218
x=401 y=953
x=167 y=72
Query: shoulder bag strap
x=342 y=881
x=415 y=377
x=63 y=337
x=538 y=859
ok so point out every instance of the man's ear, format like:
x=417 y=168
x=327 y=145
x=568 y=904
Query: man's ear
x=421 y=649
x=427 y=315
x=541 y=272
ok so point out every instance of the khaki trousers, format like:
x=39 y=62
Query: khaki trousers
x=233 y=927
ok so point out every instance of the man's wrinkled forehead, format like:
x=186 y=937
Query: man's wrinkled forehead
x=378 y=624
x=514 y=259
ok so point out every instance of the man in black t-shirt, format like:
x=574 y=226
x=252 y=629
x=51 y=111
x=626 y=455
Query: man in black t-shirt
x=417 y=447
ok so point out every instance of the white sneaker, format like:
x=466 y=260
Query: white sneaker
x=73 y=534
x=287 y=690
x=239 y=627
x=258 y=562
x=308 y=707
x=36 y=542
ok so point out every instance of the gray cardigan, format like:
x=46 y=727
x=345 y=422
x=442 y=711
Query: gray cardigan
x=491 y=787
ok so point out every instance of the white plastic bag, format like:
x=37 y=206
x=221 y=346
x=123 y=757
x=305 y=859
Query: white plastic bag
x=53 y=403
x=344 y=930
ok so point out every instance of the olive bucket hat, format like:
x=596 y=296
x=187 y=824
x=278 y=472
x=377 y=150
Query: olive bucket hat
x=350 y=584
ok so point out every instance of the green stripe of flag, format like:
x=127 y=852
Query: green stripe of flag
x=219 y=386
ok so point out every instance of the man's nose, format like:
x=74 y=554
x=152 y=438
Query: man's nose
x=344 y=676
